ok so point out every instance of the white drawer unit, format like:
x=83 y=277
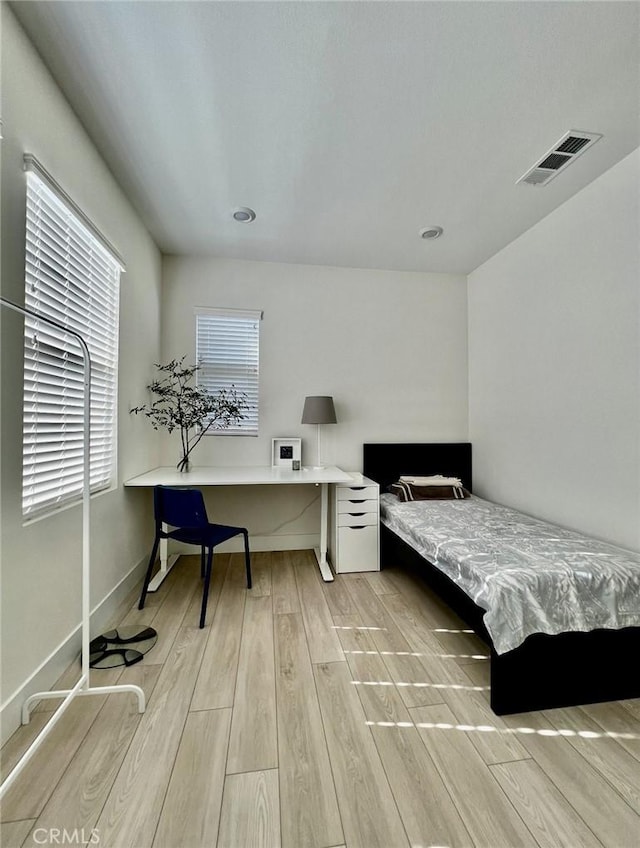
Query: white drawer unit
x=360 y=506
x=357 y=493
x=355 y=525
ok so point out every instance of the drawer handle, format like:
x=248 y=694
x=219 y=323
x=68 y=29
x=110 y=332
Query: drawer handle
x=356 y=514
x=357 y=488
x=359 y=527
x=362 y=500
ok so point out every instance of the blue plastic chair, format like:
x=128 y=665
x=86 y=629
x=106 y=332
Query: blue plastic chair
x=184 y=510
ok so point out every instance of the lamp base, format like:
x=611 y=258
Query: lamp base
x=319 y=464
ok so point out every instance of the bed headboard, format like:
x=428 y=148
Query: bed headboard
x=384 y=463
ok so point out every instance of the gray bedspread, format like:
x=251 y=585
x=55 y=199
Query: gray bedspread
x=530 y=576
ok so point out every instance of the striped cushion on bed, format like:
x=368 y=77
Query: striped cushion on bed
x=410 y=492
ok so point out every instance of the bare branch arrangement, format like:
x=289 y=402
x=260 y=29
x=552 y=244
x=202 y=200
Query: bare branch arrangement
x=181 y=405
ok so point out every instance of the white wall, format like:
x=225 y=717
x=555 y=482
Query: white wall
x=389 y=346
x=41 y=561
x=554 y=364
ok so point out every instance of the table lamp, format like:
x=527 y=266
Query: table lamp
x=319 y=410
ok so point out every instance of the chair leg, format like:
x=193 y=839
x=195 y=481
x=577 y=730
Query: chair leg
x=147 y=577
x=205 y=590
x=202 y=562
x=247 y=558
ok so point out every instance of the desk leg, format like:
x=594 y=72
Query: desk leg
x=166 y=564
x=321 y=552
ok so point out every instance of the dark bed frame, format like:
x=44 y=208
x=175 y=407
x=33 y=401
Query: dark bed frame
x=545 y=671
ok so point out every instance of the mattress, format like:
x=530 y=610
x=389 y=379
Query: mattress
x=530 y=576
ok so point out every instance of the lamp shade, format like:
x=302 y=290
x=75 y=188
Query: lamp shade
x=319 y=410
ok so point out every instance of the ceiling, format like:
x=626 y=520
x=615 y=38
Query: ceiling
x=347 y=126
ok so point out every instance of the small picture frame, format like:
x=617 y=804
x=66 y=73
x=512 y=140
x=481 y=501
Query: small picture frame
x=284 y=451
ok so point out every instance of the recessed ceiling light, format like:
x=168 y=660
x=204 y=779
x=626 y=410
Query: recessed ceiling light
x=244 y=215
x=431 y=232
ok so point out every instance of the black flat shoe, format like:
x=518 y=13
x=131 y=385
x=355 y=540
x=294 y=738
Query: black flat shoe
x=98 y=644
x=126 y=635
x=114 y=657
x=105 y=653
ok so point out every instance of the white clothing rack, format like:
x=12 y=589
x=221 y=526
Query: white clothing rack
x=82 y=687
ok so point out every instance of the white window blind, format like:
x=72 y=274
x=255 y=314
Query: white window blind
x=71 y=278
x=227 y=349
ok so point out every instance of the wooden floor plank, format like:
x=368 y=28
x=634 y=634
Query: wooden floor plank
x=338 y=597
x=26 y=797
x=464 y=648
x=403 y=662
x=80 y=794
x=250 y=811
x=470 y=782
x=131 y=812
x=551 y=819
x=428 y=813
x=370 y=817
x=617 y=722
x=380 y=582
x=458 y=642
x=191 y=811
x=480 y=675
x=13 y=834
x=171 y=614
x=324 y=645
x=253 y=745
x=218 y=576
x=15 y=747
x=495 y=743
x=613 y=762
x=449 y=681
x=153 y=602
x=633 y=706
x=261 y=570
x=416 y=591
x=217 y=679
x=143 y=617
x=601 y=808
x=283 y=583
x=307 y=791
x=408 y=616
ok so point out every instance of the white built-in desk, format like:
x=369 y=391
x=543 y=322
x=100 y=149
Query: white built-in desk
x=246 y=476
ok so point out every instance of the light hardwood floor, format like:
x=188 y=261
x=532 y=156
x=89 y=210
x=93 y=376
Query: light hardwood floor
x=351 y=714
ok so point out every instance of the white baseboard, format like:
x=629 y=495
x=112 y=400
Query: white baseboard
x=45 y=676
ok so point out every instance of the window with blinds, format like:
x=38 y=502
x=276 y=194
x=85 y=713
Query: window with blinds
x=227 y=350
x=72 y=279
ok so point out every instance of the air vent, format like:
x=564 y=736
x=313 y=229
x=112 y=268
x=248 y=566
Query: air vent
x=554 y=162
x=573 y=144
x=570 y=146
